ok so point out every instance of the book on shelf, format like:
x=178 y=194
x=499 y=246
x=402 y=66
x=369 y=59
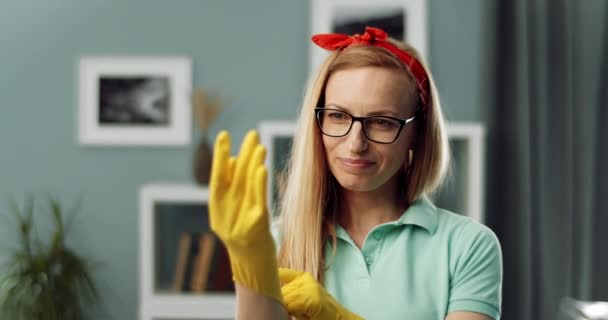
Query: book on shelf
x=188 y=249
x=182 y=258
x=220 y=274
x=202 y=264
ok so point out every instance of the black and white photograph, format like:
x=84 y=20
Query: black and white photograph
x=404 y=20
x=351 y=20
x=135 y=101
x=462 y=190
x=280 y=156
x=452 y=194
x=277 y=137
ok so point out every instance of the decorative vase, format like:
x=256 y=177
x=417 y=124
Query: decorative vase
x=202 y=162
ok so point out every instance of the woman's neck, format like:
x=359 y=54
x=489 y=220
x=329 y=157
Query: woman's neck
x=362 y=211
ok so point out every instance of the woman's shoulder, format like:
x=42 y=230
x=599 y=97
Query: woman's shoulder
x=474 y=260
x=441 y=220
x=463 y=230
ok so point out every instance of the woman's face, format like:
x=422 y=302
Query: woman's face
x=357 y=163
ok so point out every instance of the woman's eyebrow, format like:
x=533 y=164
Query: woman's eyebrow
x=381 y=112
x=384 y=113
x=336 y=106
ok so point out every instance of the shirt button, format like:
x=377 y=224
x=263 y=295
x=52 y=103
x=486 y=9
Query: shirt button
x=369 y=260
x=377 y=235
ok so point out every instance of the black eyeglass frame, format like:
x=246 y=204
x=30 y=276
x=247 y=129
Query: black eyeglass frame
x=402 y=123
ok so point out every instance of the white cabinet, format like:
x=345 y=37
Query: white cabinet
x=165 y=210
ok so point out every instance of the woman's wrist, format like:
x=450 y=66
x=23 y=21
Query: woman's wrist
x=256 y=267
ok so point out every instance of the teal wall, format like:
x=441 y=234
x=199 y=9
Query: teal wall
x=256 y=51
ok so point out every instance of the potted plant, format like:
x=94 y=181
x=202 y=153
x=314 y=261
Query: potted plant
x=45 y=280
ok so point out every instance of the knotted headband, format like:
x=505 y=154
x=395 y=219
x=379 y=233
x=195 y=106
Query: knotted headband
x=377 y=37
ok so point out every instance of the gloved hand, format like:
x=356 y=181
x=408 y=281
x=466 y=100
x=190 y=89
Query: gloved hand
x=238 y=214
x=305 y=298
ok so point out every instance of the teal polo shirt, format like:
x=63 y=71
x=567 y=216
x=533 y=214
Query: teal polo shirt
x=424 y=265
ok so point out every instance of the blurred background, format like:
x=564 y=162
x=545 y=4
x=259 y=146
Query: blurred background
x=533 y=73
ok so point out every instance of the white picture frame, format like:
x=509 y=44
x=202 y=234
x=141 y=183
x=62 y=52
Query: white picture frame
x=463 y=191
x=462 y=194
x=134 y=101
x=397 y=17
x=277 y=137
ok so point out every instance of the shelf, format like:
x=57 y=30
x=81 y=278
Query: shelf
x=190 y=307
x=167 y=210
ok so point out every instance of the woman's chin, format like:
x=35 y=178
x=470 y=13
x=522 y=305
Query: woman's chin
x=356 y=184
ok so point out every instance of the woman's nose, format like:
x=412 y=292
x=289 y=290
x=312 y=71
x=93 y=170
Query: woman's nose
x=357 y=142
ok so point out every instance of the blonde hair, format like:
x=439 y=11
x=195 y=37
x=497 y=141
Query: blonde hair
x=310 y=193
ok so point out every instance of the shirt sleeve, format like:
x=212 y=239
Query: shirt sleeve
x=476 y=282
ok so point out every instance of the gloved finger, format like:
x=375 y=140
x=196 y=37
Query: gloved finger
x=261 y=184
x=287 y=275
x=258 y=214
x=291 y=288
x=219 y=168
x=243 y=159
x=231 y=165
x=294 y=303
x=256 y=160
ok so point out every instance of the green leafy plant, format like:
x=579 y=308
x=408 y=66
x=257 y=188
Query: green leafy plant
x=45 y=281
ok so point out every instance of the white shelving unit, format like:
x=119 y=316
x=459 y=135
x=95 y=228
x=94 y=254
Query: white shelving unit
x=156 y=304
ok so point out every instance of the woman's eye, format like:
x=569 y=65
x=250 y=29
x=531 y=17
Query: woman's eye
x=336 y=115
x=381 y=122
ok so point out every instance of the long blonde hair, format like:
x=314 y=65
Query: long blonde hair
x=310 y=193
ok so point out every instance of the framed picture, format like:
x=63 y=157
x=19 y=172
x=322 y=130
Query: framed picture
x=277 y=137
x=134 y=101
x=463 y=189
x=462 y=192
x=404 y=20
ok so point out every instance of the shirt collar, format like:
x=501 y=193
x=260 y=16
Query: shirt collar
x=420 y=213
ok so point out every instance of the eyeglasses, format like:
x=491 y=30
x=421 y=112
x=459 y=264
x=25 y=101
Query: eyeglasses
x=380 y=129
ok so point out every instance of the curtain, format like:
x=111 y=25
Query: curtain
x=547 y=178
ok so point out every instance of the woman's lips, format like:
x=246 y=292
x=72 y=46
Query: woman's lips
x=356 y=163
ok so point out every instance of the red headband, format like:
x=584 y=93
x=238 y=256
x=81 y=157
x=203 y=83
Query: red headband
x=377 y=37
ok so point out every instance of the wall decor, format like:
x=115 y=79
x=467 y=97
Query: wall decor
x=134 y=101
x=404 y=20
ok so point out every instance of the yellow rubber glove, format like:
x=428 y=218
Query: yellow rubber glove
x=238 y=213
x=306 y=298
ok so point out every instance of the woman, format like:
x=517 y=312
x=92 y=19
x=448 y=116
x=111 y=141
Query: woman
x=358 y=237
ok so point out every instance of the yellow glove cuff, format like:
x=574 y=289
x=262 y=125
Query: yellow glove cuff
x=257 y=269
